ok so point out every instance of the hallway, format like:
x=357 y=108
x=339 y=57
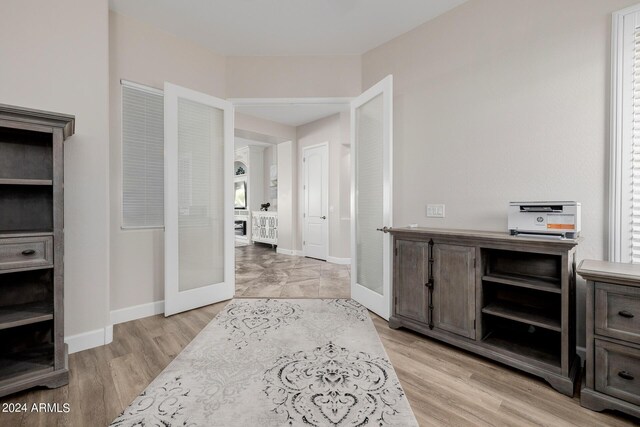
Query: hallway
x=261 y=272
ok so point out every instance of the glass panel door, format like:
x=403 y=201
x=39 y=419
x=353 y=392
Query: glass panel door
x=198 y=200
x=371 y=127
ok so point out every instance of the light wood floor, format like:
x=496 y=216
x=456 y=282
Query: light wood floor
x=445 y=386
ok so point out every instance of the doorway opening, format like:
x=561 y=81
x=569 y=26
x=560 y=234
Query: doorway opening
x=273 y=258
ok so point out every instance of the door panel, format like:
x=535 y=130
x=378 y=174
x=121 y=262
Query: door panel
x=454 y=289
x=199 y=201
x=371 y=197
x=316 y=202
x=411 y=270
x=370 y=177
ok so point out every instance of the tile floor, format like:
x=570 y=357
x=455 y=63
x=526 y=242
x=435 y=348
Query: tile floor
x=261 y=272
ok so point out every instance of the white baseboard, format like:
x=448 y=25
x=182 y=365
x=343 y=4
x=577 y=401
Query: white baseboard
x=87 y=340
x=136 y=312
x=336 y=260
x=298 y=253
x=286 y=251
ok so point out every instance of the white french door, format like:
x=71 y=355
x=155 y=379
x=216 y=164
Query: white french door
x=199 y=248
x=316 y=201
x=371 y=197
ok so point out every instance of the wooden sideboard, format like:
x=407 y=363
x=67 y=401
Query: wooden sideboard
x=612 y=379
x=509 y=298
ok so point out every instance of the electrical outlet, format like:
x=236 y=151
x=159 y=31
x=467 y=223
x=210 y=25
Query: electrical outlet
x=435 y=211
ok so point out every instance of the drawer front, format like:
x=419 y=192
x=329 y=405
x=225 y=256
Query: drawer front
x=618 y=371
x=27 y=252
x=617 y=312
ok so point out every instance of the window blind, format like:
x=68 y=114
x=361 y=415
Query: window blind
x=142 y=158
x=635 y=157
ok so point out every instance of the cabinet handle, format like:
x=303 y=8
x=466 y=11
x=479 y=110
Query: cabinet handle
x=625 y=375
x=27 y=252
x=625 y=313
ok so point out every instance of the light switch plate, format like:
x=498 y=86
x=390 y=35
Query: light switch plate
x=435 y=211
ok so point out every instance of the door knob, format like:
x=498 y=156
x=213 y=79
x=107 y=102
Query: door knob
x=384 y=229
x=323 y=217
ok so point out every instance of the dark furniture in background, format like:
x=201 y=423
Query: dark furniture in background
x=511 y=299
x=612 y=378
x=33 y=352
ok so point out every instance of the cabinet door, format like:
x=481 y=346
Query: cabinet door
x=410 y=279
x=454 y=289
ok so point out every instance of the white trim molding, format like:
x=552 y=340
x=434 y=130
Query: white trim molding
x=140 y=86
x=260 y=102
x=621 y=118
x=282 y=251
x=336 y=260
x=290 y=252
x=90 y=339
x=137 y=312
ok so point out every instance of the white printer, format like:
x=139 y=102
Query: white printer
x=560 y=219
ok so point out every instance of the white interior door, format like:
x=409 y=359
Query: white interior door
x=371 y=197
x=316 y=201
x=199 y=248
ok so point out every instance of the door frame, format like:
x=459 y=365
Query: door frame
x=305 y=196
x=176 y=301
x=379 y=304
x=275 y=102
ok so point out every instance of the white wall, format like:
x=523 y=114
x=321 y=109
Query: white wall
x=502 y=100
x=286 y=197
x=293 y=76
x=270 y=158
x=143 y=54
x=54 y=56
x=332 y=130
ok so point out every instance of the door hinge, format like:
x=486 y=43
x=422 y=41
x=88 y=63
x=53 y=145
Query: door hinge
x=304 y=243
x=304 y=159
x=304 y=187
x=304 y=215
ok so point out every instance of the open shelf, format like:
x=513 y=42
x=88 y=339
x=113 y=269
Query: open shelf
x=16 y=181
x=523 y=281
x=25 y=314
x=525 y=269
x=25 y=154
x=31 y=361
x=524 y=314
x=541 y=348
x=26 y=207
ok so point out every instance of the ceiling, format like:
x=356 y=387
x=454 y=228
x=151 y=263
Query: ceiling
x=285 y=27
x=291 y=112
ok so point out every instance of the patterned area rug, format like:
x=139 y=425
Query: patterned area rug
x=278 y=362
